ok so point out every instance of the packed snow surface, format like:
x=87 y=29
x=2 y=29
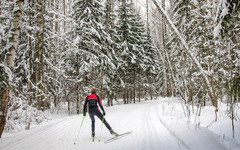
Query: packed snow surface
x=155 y=125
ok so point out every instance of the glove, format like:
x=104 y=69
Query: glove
x=84 y=114
x=104 y=113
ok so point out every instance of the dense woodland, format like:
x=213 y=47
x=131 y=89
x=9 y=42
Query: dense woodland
x=53 y=51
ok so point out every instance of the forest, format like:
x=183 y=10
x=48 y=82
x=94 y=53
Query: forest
x=52 y=52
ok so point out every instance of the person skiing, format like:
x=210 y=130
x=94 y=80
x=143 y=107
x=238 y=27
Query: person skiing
x=93 y=101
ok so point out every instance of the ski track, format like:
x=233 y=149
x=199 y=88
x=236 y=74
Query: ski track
x=149 y=132
x=158 y=134
x=181 y=143
x=41 y=137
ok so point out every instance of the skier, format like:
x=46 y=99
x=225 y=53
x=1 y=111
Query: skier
x=92 y=101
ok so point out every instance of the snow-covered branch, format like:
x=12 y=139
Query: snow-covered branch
x=185 y=45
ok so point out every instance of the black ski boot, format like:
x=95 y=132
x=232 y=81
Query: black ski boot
x=93 y=136
x=113 y=133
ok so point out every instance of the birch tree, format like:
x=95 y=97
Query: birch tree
x=12 y=44
x=209 y=85
x=227 y=33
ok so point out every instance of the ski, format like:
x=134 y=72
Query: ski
x=116 y=137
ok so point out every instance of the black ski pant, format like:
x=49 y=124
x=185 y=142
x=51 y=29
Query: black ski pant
x=94 y=111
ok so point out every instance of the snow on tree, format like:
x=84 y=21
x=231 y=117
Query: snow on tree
x=207 y=75
x=227 y=11
x=227 y=36
x=11 y=50
x=134 y=50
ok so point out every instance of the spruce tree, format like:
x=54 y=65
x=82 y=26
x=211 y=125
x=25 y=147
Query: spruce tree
x=134 y=49
x=90 y=56
x=89 y=34
x=112 y=80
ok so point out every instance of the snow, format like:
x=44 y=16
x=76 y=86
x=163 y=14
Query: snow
x=224 y=11
x=8 y=71
x=155 y=125
x=186 y=47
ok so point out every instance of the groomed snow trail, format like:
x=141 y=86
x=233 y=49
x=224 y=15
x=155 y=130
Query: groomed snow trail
x=149 y=132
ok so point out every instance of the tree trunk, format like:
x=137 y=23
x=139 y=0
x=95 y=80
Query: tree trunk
x=42 y=69
x=5 y=96
x=190 y=91
x=131 y=95
x=150 y=85
x=78 y=101
x=147 y=13
x=31 y=90
x=78 y=87
x=40 y=51
x=127 y=95
x=124 y=89
x=0 y=7
x=10 y=59
x=139 y=88
x=55 y=100
x=164 y=78
x=163 y=29
x=232 y=118
x=101 y=90
x=134 y=88
x=111 y=99
x=64 y=13
x=108 y=17
x=69 y=106
x=64 y=24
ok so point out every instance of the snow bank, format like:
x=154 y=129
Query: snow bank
x=172 y=114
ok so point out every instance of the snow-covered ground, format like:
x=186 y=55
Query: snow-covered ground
x=155 y=125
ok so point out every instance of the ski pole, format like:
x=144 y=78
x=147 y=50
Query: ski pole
x=79 y=130
x=101 y=129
